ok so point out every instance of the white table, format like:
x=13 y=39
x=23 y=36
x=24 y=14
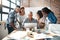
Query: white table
x=19 y=35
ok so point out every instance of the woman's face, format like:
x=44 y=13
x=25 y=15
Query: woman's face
x=37 y=16
x=44 y=14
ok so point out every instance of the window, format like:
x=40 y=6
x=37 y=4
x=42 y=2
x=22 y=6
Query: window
x=13 y=5
x=5 y=3
x=12 y=10
x=13 y=1
x=18 y=3
x=0 y=1
x=0 y=17
x=4 y=17
x=5 y=9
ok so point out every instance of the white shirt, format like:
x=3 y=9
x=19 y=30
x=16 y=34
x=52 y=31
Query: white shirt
x=20 y=19
x=47 y=22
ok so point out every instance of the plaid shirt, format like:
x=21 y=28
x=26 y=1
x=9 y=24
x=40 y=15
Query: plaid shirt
x=12 y=16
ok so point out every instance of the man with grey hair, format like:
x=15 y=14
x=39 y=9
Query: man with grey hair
x=30 y=18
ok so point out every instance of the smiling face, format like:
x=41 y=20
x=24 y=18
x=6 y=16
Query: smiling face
x=22 y=11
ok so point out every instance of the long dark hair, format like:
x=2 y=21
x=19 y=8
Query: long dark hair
x=40 y=13
x=46 y=10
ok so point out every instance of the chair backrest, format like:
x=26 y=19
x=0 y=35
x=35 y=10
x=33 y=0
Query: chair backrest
x=3 y=31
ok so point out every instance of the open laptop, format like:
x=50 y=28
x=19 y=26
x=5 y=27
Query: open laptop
x=29 y=25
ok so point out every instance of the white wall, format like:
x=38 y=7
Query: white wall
x=33 y=9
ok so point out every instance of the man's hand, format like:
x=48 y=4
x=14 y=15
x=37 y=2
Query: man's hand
x=12 y=24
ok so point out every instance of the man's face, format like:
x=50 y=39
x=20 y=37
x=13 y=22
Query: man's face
x=30 y=15
x=17 y=9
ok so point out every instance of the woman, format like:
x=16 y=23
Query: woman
x=39 y=15
x=41 y=23
x=40 y=20
x=49 y=15
x=21 y=16
x=49 y=18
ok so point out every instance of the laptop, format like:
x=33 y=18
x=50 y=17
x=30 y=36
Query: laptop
x=29 y=25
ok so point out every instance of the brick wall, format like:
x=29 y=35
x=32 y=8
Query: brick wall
x=55 y=7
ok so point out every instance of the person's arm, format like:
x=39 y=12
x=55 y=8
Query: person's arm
x=52 y=18
x=12 y=25
x=41 y=23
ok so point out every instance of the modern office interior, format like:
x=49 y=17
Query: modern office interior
x=30 y=6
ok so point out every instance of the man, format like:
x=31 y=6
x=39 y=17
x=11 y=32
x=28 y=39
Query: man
x=12 y=18
x=30 y=19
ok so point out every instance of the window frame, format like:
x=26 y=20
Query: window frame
x=9 y=7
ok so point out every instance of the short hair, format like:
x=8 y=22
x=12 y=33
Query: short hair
x=46 y=10
x=18 y=6
x=31 y=12
x=40 y=13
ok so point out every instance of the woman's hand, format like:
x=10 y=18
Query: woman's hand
x=42 y=25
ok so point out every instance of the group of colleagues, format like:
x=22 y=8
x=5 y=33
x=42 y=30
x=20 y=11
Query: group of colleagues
x=44 y=16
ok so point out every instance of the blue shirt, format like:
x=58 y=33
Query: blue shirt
x=52 y=17
x=32 y=21
x=11 y=17
x=28 y=21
